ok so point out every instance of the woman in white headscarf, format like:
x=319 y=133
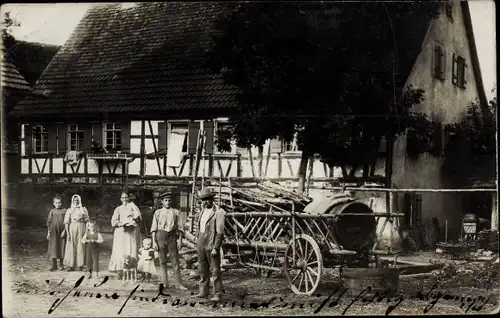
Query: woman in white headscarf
x=75 y=221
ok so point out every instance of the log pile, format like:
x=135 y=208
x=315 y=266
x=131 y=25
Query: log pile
x=260 y=197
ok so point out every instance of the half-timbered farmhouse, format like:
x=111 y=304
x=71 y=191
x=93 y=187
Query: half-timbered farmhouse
x=22 y=65
x=123 y=102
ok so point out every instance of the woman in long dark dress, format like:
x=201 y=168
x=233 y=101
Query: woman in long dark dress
x=56 y=233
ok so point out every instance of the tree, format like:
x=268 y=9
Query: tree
x=325 y=71
x=471 y=148
x=7 y=24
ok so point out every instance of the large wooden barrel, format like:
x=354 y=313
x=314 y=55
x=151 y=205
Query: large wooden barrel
x=351 y=232
x=379 y=280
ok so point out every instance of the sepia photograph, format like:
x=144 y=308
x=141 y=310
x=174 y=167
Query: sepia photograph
x=249 y=158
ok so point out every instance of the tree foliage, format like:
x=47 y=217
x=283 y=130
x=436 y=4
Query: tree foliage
x=471 y=148
x=293 y=61
x=7 y=24
x=331 y=72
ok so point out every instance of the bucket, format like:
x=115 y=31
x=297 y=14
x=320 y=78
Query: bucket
x=384 y=281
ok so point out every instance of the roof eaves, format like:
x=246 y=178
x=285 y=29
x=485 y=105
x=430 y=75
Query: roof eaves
x=473 y=51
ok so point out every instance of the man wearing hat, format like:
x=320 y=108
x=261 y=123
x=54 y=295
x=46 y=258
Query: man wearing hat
x=210 y=235
x=168 y=227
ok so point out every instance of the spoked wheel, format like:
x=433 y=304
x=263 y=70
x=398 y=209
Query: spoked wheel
x=303 y=270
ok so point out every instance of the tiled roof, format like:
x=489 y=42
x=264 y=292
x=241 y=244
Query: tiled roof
x=31 y=58
x=146 y=58
x=11 y=78
x=149 y=58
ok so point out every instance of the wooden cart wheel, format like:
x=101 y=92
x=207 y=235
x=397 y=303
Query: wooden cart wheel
x=303 y=273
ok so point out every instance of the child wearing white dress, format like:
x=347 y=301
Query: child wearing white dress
x=147 y=255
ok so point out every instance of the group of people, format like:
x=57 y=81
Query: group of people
x=74 y=239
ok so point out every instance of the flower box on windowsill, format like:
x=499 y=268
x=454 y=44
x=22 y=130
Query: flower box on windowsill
x=108 y=156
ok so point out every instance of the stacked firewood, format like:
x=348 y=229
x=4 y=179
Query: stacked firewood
x=261 y=197
x=265 y=196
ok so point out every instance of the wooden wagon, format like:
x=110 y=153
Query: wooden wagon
x=335 y=232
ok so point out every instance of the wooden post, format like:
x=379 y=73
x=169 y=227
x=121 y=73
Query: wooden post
x=125 y=169
x=392 y=220
x=101 y=179
x=446 y=230
x=494 y=212
x=309 y=177
x=195 y=172
x=143 y=150
x=157 y=156
x=220 y=190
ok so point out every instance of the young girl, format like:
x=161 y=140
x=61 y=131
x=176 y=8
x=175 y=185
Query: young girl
x=92 y=239
x=56 y=233
x=147 y=255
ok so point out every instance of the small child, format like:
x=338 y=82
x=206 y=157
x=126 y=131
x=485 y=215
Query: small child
x=92 y=239
x=147 y=255
x=56 y=233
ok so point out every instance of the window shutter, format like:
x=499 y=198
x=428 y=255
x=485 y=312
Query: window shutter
x=407 y=209
x=52 y=135
x=276 y=145
x=438 y=67
x=125 y=136
x=437 y=139
x=162 y=136
x=62 y=134
x=97 y=132
x=87 y=138
x=417 y=211
x=446 y=138
x=28 y=138
x=465 y=72
x=455 y=69
x=193 y=128
x=209 y=136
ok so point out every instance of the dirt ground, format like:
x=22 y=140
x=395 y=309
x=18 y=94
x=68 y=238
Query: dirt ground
x=30 y=290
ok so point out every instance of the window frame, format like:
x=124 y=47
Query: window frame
x=113 y=130
x=459 y=70
x=413 y=212
x=234 y=149
x=79 y=134
x=44 y=141
x=294 y=144
x=170 y=130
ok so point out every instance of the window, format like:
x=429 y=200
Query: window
x=113 y=137
x=40 y=138
x=439 y=62
x=449 y=9
x=75 y=137
x=180 y=130
x=412 y=209
x=292 y=145
x=459 y=67
x=219 y=126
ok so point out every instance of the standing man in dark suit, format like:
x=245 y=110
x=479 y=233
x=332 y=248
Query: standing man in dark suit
x=210 y=236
